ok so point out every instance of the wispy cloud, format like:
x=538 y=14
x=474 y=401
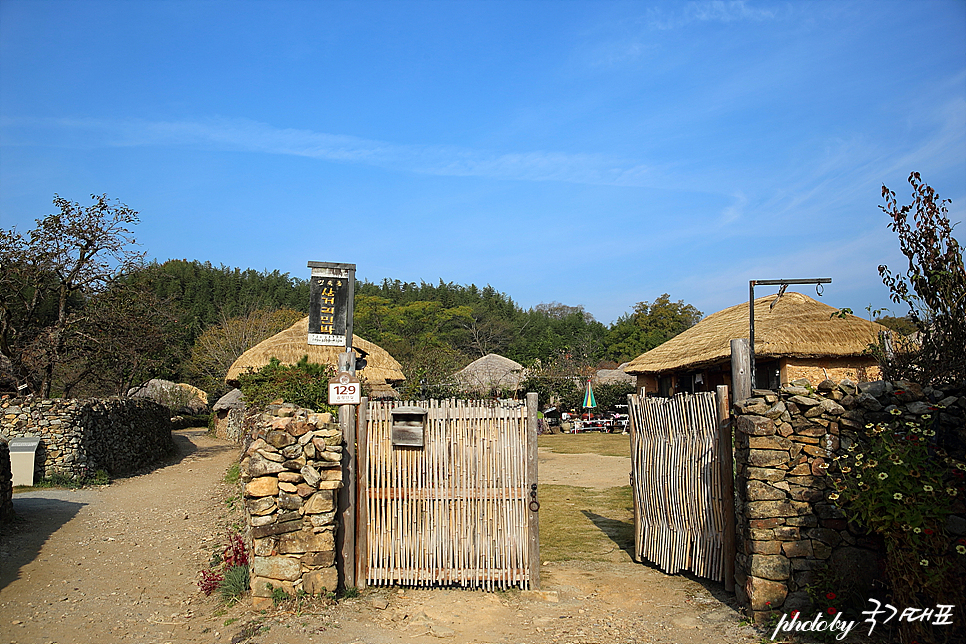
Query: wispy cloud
x=708 y=11
x=251 y=136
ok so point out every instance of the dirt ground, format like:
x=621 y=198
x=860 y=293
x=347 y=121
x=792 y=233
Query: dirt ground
x=120 y=563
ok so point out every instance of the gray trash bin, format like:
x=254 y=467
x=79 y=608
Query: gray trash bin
x=22 y=454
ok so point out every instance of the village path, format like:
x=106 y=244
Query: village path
x=120 y=563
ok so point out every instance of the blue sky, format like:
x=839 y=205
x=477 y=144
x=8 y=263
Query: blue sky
x=590 y=153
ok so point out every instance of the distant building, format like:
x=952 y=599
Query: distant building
x=798 y=338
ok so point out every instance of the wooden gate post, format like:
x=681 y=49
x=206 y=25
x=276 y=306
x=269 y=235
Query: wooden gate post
x=742 y=380
x=726 y=463
x=346 y=534
x=361 y=499
x=533 y=516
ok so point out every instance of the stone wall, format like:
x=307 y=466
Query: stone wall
x=787 y=528
x=6 y=484
x=228 y=416
x=79 y=437
x=292 y=473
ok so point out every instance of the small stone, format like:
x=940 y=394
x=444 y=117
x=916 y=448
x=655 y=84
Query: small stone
x=262 y=486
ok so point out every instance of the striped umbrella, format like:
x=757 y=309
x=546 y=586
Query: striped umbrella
x=589 y=400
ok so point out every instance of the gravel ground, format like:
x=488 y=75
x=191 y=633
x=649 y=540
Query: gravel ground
x=120 y=563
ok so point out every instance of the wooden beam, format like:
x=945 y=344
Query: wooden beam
x=726 y=465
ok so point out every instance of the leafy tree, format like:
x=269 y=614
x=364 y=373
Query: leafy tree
x=121 y=337
x=611 y=394
x=72 y=254
x=933 y=287
x=903 y=325
x=220 y=345
x=650 y=325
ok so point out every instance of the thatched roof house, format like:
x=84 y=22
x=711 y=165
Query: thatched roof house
x=798 y=338
x=381 y=370
x=492 y=372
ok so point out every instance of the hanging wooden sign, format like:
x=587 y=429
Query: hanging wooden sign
x=331 y=290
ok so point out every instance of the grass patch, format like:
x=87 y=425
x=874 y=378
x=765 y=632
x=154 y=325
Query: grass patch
x=587 y=443
x=584 y=523
x=100 y=477
x=233 y=473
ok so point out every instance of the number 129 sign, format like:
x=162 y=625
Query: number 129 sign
x=344 y=389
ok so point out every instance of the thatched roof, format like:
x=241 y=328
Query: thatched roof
x=492 y=371
x=612 y=376
x=291 y=344
x=798 y=326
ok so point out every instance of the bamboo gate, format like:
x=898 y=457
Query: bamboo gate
x=683 y=485
x=461 y=509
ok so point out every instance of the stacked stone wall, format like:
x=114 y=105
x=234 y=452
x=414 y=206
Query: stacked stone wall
x=292 y=473
x=79 y=437
x=787 y=528
x=6 y=484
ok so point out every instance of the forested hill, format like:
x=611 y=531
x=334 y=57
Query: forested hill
x=205 y=294
x=407 y=318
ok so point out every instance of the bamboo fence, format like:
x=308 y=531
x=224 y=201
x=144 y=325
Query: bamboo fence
x=455 y=511
x=677 y=483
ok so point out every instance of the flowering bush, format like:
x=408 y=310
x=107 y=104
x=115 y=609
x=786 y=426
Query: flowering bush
x=228 y=573
x=895 y=482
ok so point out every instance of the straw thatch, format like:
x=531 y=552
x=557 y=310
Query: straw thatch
x=613 y=376
x=291 y=344
x=491 y=372
x=797 y=327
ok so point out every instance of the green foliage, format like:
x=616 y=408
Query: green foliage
x=351 y=592
x=896 y=483
x=610 y=395
x=650 y=325
x=903 y=325
x=278 y=594
x=235 y=583
x=305 y=384
x=933 y=287
x=832 y=594
x=100 y=477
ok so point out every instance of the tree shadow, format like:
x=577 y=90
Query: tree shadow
x=35 y=519
x=620 y=532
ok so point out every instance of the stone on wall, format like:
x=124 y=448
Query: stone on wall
x=291 y=470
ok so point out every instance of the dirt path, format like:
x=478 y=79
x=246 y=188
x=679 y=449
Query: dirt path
x=120 y=564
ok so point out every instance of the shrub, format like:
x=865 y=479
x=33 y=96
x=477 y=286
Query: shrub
x=896 y=482
x=235 y=583
x=305 y=384
x=933 y=287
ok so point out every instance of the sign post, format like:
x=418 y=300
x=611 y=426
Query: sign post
x=331 y=294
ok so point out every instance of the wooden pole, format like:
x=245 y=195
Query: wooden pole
x=741 y=382
x=726 y=465
x=362 y=497
x=533 y=523
x=347 y=494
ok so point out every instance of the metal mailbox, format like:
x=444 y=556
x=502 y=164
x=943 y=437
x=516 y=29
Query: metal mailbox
x=23 y=452
x=408 y=427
